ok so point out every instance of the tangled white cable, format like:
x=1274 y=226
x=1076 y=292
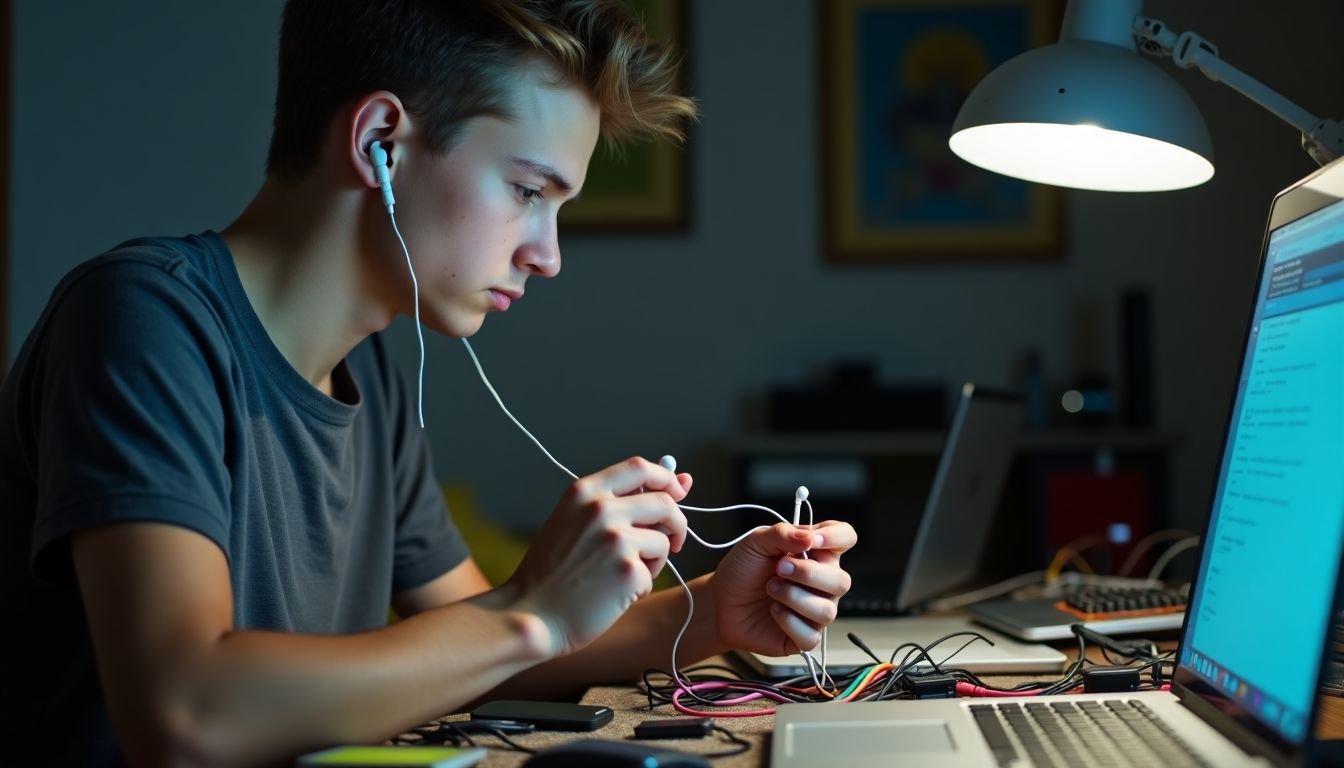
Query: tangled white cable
x=815 y=668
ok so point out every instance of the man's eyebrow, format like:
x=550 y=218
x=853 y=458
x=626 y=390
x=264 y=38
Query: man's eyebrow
x=545 y=171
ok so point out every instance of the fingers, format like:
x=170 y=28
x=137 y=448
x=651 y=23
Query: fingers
x=809 y=579
x=632 y=474
x=651 y=546
x=803 y=634
x=815 y=574
x=686 y=480
x=837 y=537
x=614 y=493
x=782 y=539
x=817 y=609
x=653 y=511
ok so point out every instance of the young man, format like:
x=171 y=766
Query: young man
x=213 y=478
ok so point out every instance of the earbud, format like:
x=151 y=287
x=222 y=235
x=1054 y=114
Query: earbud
x=378 y=157
x=799 y=496
x=668 y=463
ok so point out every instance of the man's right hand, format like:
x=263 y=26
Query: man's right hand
x=600 y=550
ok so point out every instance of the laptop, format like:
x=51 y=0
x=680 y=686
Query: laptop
x=1252 y=653
x=948 y=543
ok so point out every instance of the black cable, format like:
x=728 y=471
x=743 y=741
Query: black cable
x=742 y=744
x=853 y=638
x=512 y=744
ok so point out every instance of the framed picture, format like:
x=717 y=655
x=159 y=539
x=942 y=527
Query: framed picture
x=894 y=74
x=644 y=187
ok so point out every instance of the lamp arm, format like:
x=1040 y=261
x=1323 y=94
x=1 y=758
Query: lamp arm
x=1323 y=139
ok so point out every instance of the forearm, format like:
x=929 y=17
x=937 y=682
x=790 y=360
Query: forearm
x=641 y=639
x=262 y=696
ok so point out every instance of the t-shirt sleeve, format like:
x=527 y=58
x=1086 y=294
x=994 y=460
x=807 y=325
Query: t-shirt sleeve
x=129 y=403
x=428 y=545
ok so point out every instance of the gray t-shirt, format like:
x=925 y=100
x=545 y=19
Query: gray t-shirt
x=150 y=391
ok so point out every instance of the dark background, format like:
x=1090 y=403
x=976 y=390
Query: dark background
x=152 y=117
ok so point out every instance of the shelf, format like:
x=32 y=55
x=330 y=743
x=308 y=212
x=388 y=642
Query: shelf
x=761 y=444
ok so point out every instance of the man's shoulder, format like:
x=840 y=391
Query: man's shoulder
x=147 y=274
x=179 y=258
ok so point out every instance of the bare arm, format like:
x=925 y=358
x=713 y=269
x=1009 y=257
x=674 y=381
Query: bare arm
x=640 y=640
x=184 y=688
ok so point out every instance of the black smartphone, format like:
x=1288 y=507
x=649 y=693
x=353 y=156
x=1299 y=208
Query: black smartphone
x=677 y=728
x=546 y=715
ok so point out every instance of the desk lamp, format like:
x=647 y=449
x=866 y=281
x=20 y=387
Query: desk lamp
x=1088 y=112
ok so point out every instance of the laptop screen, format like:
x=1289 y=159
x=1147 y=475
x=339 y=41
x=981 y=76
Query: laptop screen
x=1262 y=603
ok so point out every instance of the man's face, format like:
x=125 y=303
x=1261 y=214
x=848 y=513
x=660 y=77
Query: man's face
x=481 y=219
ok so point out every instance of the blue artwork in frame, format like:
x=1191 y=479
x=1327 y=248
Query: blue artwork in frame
x=895 y=73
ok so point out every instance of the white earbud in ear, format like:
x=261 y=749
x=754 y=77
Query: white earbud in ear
x=668 y=463
x=378 y=157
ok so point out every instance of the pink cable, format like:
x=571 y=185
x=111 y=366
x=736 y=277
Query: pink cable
x=970 y=689
x=685 y=710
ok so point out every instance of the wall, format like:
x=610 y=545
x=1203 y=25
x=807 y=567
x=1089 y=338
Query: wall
x=152 y=116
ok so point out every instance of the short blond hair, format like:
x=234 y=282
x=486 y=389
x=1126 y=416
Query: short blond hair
x=451 y=60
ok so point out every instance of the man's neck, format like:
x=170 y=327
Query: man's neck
x=297 y=254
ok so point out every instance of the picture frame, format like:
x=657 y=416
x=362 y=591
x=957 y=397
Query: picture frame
x=894 y=73
x=645 y=186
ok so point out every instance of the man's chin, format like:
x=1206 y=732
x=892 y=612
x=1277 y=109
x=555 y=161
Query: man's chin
x=460 y=327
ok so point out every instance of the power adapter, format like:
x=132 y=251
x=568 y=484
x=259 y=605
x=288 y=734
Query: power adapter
x=1110 y=679
x=932 y=685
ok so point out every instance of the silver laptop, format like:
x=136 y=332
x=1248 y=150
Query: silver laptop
x=948 y=543
x=1252 y=653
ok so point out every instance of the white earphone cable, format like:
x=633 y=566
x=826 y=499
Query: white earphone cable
x=690 y=613
x=419 y=332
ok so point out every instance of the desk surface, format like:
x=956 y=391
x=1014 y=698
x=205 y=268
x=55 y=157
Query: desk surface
x=631 y=707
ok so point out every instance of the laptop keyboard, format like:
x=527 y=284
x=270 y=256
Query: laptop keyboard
x=1098 y=602
x=1084 y=733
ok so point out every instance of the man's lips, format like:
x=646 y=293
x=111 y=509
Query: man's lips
x=502 y=299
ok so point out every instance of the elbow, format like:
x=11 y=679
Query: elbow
x=177 y=735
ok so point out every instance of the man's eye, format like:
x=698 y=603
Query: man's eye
x=527 y=194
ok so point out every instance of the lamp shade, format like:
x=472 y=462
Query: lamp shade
x=1086 y=114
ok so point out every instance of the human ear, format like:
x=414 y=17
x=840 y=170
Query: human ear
x=381 y=117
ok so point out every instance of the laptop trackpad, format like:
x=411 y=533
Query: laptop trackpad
x=827 y=740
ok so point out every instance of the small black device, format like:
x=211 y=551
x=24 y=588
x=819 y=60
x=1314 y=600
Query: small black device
x=546 y=715
x=933 y=685
x=1110 y=679
x=675 y=728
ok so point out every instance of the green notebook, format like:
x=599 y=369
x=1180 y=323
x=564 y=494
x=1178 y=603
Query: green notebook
x=370 y=756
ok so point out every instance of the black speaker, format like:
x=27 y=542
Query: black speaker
x=1138 y=409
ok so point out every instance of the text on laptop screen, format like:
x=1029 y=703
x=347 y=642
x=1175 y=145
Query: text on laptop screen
x=1262 y=602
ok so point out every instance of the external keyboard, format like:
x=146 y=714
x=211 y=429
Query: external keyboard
x=1096 y=603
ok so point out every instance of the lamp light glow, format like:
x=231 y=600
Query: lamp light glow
x=1081 y=156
